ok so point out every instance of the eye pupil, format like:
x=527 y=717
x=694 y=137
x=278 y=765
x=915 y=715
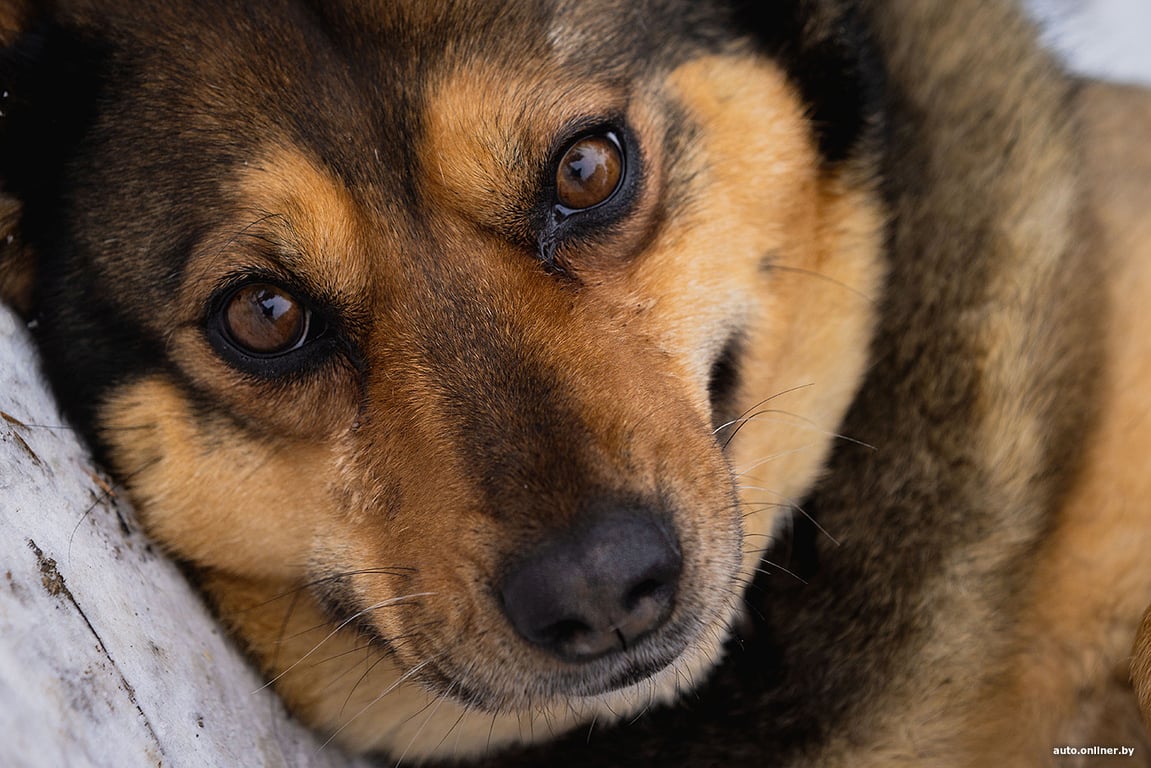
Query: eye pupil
x=589 y=172
x=264 y=320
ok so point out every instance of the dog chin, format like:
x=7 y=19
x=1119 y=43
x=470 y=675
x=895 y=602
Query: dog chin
x=603 y=690
x=658 y=686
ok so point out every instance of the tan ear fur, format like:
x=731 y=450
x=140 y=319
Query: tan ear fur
x=13 y=16
x=17 y=265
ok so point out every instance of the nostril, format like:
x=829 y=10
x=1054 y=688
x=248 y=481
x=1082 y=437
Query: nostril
x=564 y=631
x=578 y=640
x=647 y=589
x=597 y=588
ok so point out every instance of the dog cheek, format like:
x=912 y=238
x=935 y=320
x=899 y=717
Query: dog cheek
x=209 y=493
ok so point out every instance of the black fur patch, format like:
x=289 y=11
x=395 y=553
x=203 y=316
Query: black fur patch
x=826 y=50
x=722 y=386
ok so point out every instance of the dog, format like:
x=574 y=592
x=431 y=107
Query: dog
x=664 y=382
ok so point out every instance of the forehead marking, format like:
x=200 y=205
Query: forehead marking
x=290 y=214
x=487 y=126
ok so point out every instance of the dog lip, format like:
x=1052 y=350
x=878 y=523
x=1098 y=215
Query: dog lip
x=638 y=671
x=572 y=680
x=621 y=669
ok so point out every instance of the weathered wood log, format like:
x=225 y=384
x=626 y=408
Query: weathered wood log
x=108 y=657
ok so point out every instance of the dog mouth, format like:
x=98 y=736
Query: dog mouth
x=601 y=606
x=461 y=677
x=633 y=589
x=585 y=589
x=591 y=680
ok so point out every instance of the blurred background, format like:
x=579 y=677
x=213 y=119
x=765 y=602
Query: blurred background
x=1105 y=38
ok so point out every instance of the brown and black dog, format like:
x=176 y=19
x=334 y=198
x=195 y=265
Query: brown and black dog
x=474 y=354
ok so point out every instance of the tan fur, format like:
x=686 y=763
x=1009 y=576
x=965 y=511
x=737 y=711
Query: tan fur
x=812 y=312
x=1140 y=673
x=985 y=690
x=1120 y=175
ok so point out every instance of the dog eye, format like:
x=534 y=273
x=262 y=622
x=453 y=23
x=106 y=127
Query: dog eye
x=590 y=172
x=262 y=319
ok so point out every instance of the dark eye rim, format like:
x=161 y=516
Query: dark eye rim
x=315 y=345
x=564 y=225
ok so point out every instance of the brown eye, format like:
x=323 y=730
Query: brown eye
x=262 y=319
x=590 y=172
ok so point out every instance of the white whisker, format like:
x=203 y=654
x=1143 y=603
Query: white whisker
x=378 y=698
x=780 y=568
x=431 y=716
x=744 y=417
x=792 y=503
x=343 y=624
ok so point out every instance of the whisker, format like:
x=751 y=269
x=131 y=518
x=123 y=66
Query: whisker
x=245 y=231
x=439 y=700
x=395 y=684
x=760 y=404
x=15 y=422
x=334 y=680
x=804 y=424
x=591 y=726
x=395 y=570
x=382 y=604
x=392 y=644
x=281 y=639
x=452 y=727
x=779 y=567
x=109 y=495
x=491 y=733
x=367 y=645
x=812 y=273
x=753 y=507
x=791 y=503
x=773 y=457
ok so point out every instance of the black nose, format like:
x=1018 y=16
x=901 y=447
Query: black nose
x=596 y=588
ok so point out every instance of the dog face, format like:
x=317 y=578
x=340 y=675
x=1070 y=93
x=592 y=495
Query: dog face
x=430 y=334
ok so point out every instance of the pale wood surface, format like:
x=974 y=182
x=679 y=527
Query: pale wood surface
x=107 y=655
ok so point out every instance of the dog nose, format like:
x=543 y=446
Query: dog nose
x=596 y=588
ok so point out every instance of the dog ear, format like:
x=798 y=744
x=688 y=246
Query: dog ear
x=46 y=94
x=14 y=16
x=17 y=265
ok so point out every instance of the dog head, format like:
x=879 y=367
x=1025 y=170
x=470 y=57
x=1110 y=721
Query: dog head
x=434 y=331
